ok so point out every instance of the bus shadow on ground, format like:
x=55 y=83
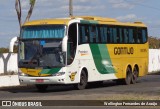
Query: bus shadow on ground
x=66 y=88
x=57 y=88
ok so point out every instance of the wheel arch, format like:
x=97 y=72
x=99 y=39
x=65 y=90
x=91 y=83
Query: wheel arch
x=85 y=70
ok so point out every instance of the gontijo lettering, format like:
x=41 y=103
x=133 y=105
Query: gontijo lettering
x=123 y=50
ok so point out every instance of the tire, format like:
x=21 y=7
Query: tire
x=134 y=75
x=83 y=81
x=128 y=78
x=41 y=87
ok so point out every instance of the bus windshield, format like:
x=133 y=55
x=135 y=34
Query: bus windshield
x=41 y=47
x=41 y=53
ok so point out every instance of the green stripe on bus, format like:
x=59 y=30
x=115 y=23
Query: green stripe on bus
x=89 y=22
x=101 y=58
x=50 y=71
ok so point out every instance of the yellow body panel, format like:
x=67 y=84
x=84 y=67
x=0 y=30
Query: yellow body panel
x=33 y=72
x=121 y=61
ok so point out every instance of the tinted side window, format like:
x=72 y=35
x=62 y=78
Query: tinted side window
x=134 y=35
x=131 y=40
x=106 y=34
x=144 y=35
x=115 y=38
x=83 y=34
x=93 y=31
x=126 y=35
x=111 y=34
x=139 y=36
x=102 y=35
x=120 y=35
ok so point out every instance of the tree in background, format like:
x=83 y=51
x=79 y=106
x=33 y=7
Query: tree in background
x=154 y=43
x=4 y=50
x=19 y=11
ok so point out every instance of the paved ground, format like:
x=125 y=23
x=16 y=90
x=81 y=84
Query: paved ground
x=147 y=88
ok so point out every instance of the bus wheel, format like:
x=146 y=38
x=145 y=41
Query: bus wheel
x=41 y=87
x=128 y=76
x=134 y=75
x=83 y=81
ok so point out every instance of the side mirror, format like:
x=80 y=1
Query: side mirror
x=12 y=42
x=64 y=44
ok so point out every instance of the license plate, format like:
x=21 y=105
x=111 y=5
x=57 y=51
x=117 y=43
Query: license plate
x=39 y=80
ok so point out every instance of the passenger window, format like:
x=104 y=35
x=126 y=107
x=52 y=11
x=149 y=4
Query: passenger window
x=102 y=35
x=83 y=34
x=131 y=40
x=115 y=38
x=111 y=35
x=106 y=35
x=134 y=35
x=126 y=36
x=144 y=35
x=120 y=34
x=139 y=36
x=94 y=34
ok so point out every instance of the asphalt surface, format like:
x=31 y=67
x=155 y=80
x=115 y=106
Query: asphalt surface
x=148 y=86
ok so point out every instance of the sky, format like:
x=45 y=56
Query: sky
x=146 y=11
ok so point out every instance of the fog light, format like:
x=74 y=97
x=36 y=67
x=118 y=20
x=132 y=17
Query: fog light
x=59 y=74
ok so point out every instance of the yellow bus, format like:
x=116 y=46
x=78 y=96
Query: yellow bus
x=81 y=50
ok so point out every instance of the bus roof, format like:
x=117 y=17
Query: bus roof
x=89 y=19
x=111 y=21
x=48 y=22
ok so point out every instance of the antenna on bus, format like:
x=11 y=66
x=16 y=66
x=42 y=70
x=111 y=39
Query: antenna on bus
x=70 y=8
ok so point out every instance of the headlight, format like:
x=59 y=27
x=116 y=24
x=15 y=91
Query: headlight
x=59 y=74
x=20 y=73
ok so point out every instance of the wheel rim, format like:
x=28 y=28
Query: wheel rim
x=129 y=76
x=83 y=81
x=135 y=75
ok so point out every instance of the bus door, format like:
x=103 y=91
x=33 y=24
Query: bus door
x=72 y=43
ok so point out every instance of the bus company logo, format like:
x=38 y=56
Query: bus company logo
x=72 y=76
x=123 y=50
x=6 y=103
x=83 y=53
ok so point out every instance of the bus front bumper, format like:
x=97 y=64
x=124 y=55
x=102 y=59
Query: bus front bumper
x=42 y=80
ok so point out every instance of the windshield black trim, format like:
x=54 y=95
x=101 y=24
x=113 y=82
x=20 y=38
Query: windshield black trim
x=21 y=39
